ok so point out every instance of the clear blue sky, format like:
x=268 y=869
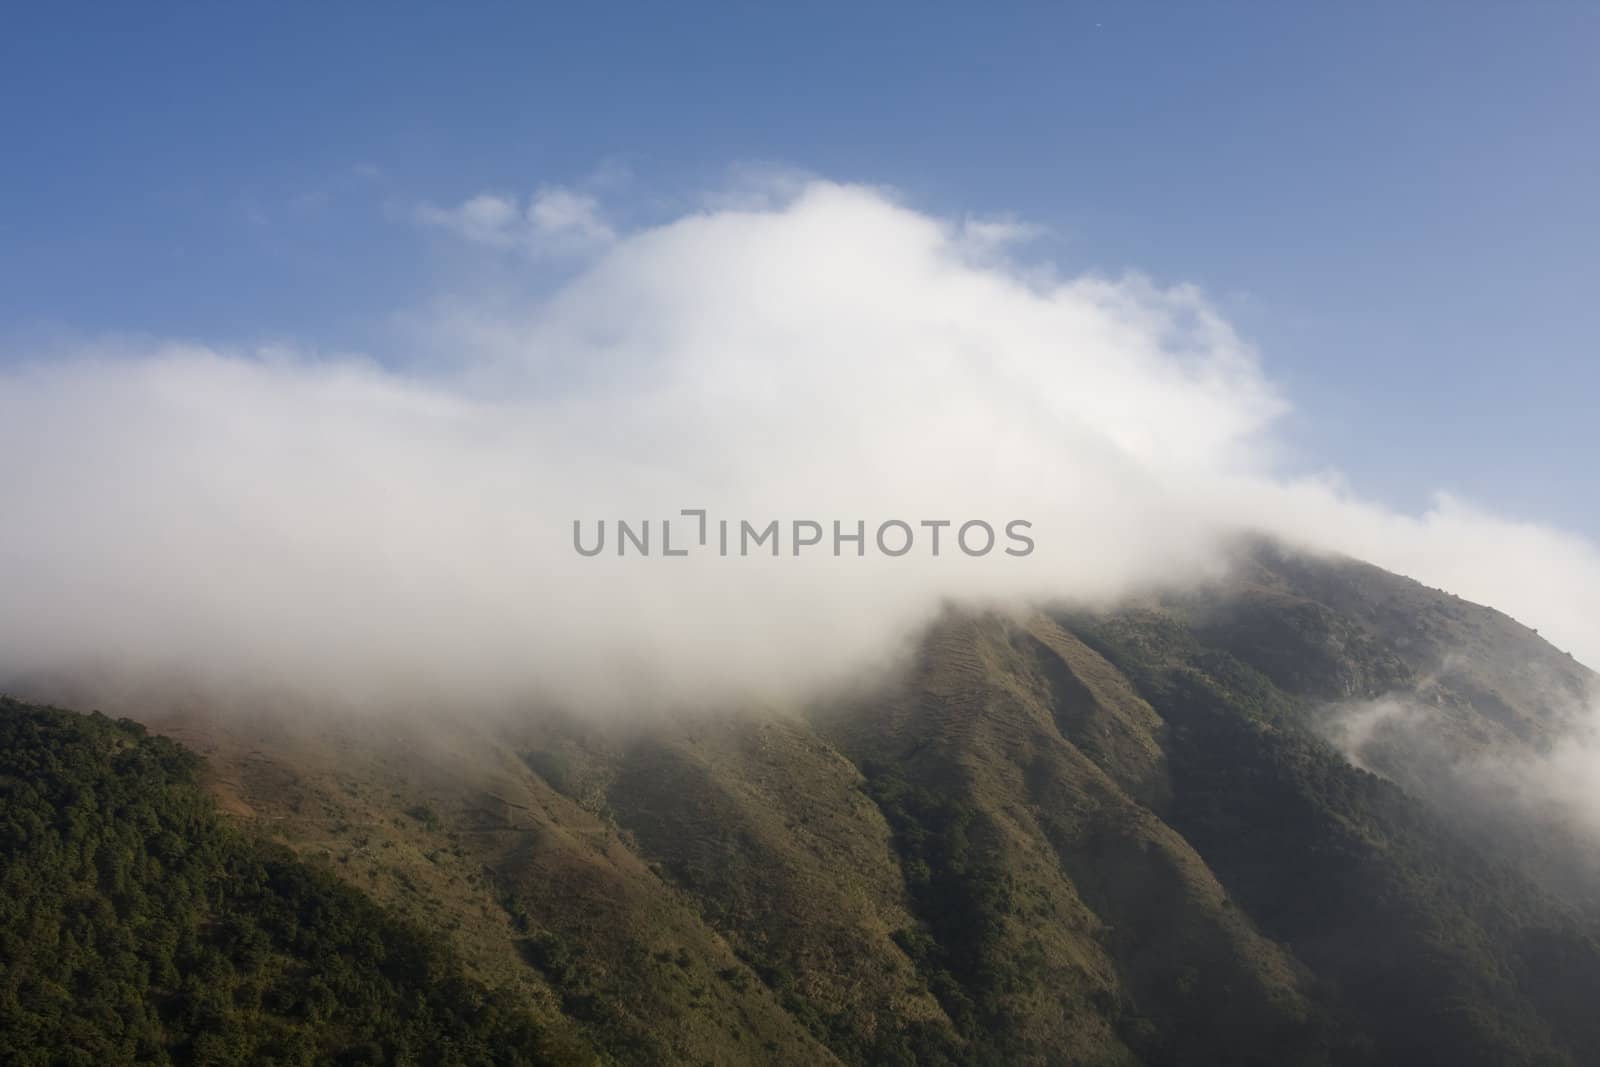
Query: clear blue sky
x=1397 y=203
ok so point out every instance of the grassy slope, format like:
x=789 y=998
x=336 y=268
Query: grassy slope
x=1076 y=924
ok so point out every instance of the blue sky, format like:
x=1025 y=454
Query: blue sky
x=1396 y=203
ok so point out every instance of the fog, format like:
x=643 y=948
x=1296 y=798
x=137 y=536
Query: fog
x=1535 y=795
x=382 y=527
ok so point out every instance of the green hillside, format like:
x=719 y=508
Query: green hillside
x=1071 y=837
x=136 y=928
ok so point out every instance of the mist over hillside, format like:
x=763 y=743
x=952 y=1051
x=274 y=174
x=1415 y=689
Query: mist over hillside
x=1068 y=836
x=389 y=527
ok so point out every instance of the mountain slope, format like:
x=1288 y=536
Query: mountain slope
x=1073 y=836
x=134 y=927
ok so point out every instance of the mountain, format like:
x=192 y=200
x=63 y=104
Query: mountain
x=1184 y=831
x=135 y=927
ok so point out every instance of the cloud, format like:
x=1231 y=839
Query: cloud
x=999 y=232
x=555 y=213
x=483 y=219
x=1537 y=796
x=828 y=353
x=555 y=221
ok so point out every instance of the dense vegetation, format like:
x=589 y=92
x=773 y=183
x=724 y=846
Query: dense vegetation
x=960 y=896
x=136 y=928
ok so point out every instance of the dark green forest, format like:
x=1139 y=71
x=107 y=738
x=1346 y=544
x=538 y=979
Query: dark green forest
x=135 y=927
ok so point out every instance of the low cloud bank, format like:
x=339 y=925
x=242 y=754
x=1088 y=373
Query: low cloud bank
x=367 y=532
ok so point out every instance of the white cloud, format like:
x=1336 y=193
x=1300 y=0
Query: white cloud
x=830 y=354
x=484 y=219
x=554 y=221
x=999 y=232
x=561 y=213
x=1492 y=778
